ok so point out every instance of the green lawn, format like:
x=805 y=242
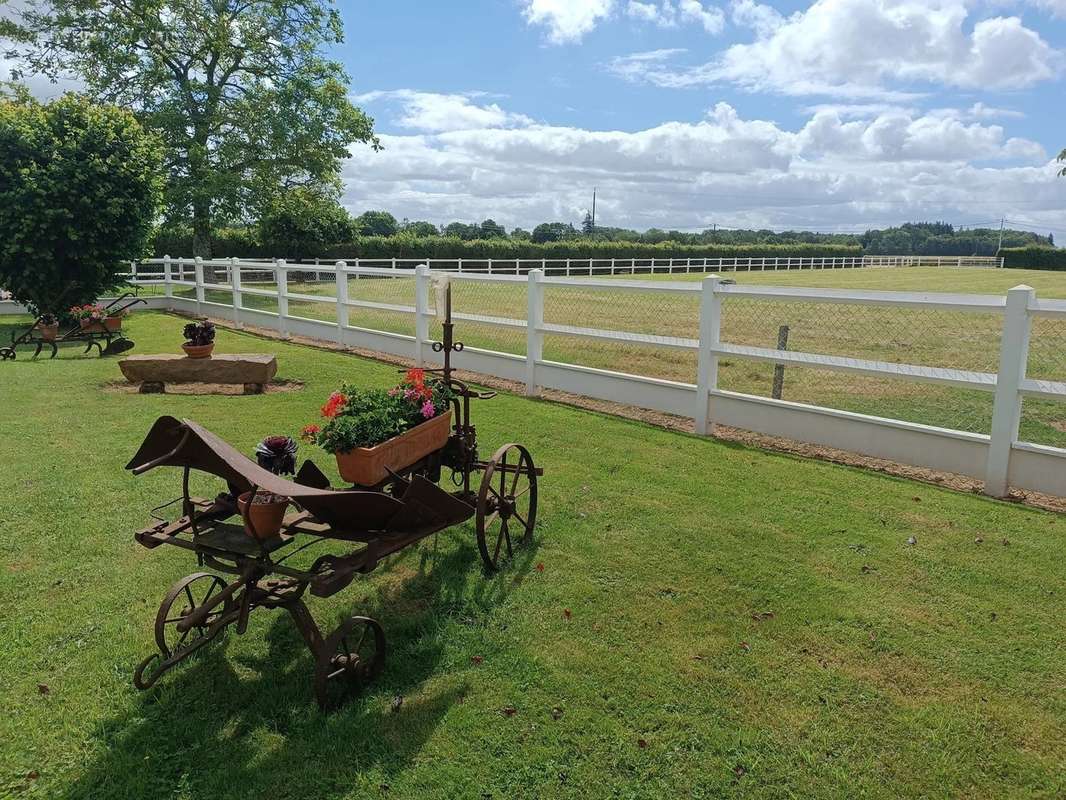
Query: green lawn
x=742 y=624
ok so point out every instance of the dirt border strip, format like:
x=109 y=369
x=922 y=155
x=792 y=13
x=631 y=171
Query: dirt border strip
x=947 y=480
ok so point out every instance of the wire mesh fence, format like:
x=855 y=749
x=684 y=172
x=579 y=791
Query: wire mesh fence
x=394 y=299
x=962 y=340
x=502 y=301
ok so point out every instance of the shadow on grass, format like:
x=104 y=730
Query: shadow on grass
x=248 y=727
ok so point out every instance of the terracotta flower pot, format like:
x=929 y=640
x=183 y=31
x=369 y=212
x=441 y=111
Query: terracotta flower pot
x=261 y=520
x=48 y=332
x=111 y=324
x=369 y=466
x=198 y=350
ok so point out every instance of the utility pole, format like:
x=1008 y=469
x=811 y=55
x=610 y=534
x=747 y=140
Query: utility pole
x=593 y=209
x=1000 y=245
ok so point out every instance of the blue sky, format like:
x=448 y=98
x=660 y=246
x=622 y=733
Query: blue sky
x=831 y=115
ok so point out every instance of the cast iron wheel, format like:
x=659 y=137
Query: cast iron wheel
x=184 y=597
x=506 y=504
x=7 y=353
x=349 y=658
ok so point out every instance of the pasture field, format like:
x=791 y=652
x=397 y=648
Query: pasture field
x=694 y=619
x=961 y=340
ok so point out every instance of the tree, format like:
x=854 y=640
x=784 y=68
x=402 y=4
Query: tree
x=420 y=228
x=302 y=222
x=80 y=187
x=462 y=231
x=553 y=232
x=588 y=227
x=521 y=234
x=490 y=229
x=239 y=91
x=376 y=223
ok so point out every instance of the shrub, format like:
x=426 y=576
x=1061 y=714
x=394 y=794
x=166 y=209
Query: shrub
x=80 y=185
x=1033 y=258
x=301 y=223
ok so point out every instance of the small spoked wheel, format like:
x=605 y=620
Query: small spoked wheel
x=184 y=597
x=506 y=504
x=7 y=353
x=349 y=658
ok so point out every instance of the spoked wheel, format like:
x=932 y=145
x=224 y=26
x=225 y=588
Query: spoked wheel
x=184 y=597
x=349 y=658
x=506 y=504
x=7 y=353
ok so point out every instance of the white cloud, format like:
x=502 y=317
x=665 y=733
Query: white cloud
x=859 y=48
x=434 y=112
x=1056 y=8
x=890 y=166
x=566 y=20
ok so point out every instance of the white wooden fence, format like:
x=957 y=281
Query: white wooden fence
x=318 y=271
x=998 y=458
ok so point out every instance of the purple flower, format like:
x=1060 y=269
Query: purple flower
x=428 y=409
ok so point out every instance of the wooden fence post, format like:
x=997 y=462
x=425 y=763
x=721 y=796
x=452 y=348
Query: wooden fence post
x=422 y=283
x=779 y=369
x=1007 y=406
x=707 y=361
x=342 y=300
x=534 y=337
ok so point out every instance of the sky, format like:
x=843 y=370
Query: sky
x=837 y=115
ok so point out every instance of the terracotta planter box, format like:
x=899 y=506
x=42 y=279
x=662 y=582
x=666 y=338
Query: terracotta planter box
x=111 y=324
x=369 y=466
x=48 y=332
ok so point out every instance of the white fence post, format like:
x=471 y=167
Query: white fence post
x=707 y=362
x=281 y=278
x=1007 y=408
x=198 y=279
x=422 y=283
x=235 y=285
x=342 y=300
x=534 y=337
x=168 y=289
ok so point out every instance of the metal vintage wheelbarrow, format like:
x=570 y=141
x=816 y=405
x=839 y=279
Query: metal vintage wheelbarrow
x=365 y=524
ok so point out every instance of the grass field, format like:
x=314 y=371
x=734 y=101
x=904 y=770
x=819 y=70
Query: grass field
x=742 y=624
x=961 y=340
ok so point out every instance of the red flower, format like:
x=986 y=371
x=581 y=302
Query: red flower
x=416 y=376
x=309 y=433
x=336 y=402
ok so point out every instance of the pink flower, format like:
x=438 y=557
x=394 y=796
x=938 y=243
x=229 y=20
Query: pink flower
x=428 y=410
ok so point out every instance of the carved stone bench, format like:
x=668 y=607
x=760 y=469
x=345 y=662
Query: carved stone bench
x=153 y=372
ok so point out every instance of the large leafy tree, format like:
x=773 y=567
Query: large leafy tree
x=376 y=223
x=302 y=222
x=80 y=186
x=240 y=91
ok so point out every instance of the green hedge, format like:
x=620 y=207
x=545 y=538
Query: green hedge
x=450 y=247
x=244 y=243
x=1034 y=258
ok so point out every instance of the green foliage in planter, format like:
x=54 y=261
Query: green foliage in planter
x=1034 y=258
x=80 y=185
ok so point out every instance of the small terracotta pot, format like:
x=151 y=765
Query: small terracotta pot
x=48 y=332
x=261 y=520
x=198 y=350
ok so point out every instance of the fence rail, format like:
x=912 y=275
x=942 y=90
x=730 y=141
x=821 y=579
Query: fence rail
x=930 y=380
x=318 y=271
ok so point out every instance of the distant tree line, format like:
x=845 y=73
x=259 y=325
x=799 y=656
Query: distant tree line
x=306 y=223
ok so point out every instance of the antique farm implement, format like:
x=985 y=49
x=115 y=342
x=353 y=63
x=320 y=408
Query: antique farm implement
x=240 y=573
x=107 y=340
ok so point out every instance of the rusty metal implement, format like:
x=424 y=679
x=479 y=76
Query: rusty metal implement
x=238 y=574
x=107 y=342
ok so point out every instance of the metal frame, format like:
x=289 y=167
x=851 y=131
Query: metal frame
x=504 y=508
x=115 y=342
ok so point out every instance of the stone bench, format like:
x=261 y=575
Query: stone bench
x=153 y=372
